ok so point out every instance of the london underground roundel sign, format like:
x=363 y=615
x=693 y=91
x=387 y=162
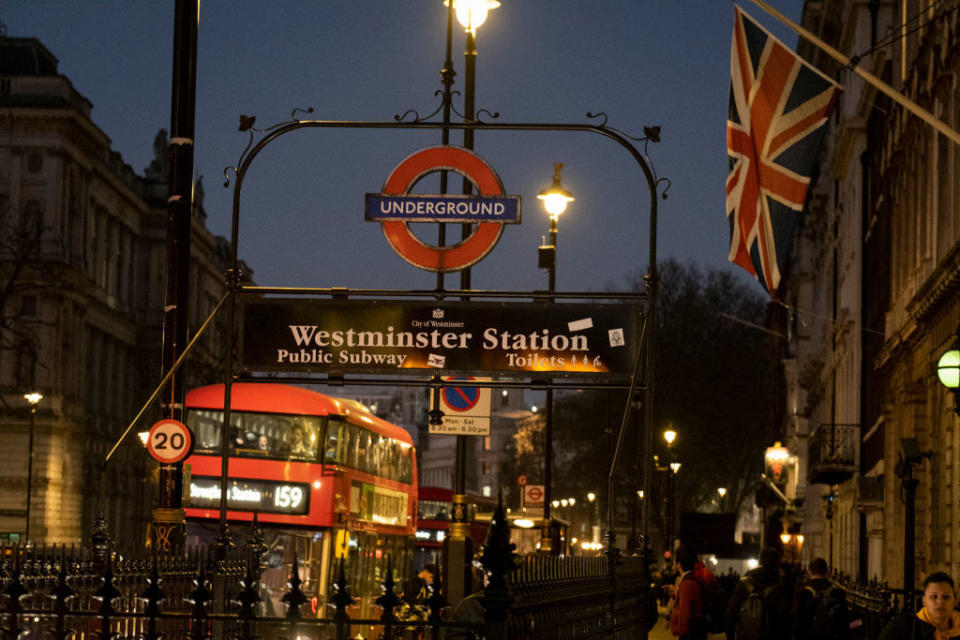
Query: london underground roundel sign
x=470 y=250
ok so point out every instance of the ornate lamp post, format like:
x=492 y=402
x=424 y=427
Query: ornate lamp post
x=470 y=14
x=555 y=200
x=33 y=398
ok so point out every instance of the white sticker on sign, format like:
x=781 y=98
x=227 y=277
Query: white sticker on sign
x=616 y=337
x=434 y=360
x=580 y=325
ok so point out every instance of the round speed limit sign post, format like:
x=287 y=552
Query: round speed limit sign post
x=169 y=441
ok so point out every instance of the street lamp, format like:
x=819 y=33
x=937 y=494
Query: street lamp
x=33 y=398
x=555 y=200
x=470 y=14
x=723 y=492
x=948 y=370
x=594 y=517
x=669 y=435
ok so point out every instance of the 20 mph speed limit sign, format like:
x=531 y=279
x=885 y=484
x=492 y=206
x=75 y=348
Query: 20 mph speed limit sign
x=169 y=441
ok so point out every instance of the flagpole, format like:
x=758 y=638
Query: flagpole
x=882 y=86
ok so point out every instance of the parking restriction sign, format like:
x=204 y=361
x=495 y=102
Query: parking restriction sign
x=466 y=408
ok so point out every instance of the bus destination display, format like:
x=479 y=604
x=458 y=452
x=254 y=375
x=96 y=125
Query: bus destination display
x=264 y=496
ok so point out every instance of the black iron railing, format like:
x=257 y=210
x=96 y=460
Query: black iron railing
x=62 y=592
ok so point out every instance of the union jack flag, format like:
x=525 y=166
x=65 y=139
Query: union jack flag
x=778 y=107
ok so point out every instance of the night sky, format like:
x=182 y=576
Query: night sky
x=641 y=62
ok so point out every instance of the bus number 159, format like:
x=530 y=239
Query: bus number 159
x=288 y=497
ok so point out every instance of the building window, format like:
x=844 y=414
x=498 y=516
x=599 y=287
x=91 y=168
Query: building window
x=28 y=306
x=486 y=443
x=32 y=219
x=487 y=491
x=487 y=468
x=34 y=162
x=26 y=366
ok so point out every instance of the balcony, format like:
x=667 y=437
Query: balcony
x=833 y=453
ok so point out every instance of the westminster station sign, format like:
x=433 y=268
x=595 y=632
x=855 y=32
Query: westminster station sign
x=320 y=336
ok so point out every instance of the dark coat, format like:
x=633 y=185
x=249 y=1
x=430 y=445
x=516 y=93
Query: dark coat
x=907 y=626
x=782 y=600
x=807 y=606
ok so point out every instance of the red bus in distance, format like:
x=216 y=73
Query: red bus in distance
x=433 y=523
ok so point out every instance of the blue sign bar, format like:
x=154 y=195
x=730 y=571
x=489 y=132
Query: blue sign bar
x=442 y=208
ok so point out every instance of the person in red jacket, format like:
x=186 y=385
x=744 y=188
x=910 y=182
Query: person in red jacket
x=687 y=619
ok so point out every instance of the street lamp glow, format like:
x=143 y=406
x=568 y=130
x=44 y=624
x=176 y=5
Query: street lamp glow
x=722 y=491
x=675 y=467
x=777 y=454
x=785 y=538
x=564 y=502
x=33 y=398
x=555 y=198
x=573 y=501
x=472 y=13
x=640 y=493
x=524 y=523
x=669 y=435
x=591 y=496
x=948 y=368
x=556 y=504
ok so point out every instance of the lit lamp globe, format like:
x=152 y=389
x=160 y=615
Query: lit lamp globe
x=948 y=368
x=669 y=435
x=555 y=198
x=472 y=13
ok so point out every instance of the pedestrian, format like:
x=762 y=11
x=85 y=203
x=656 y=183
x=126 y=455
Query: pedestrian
x=686 y=619
x=821 y=612
x=936 y=619
x=761 y=605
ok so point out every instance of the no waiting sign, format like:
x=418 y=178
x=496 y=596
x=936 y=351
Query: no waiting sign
x=466 y=408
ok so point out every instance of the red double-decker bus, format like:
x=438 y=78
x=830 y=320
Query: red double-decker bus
x=326 y=478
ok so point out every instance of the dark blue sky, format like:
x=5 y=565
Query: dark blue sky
x=642 y=62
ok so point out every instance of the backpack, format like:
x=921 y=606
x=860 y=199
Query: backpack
x=828 y=615
x=714 y=605
x=754 y=617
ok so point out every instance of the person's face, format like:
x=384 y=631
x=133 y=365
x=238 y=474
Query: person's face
x=296 y=436
x=938 y=601
x=262 y=442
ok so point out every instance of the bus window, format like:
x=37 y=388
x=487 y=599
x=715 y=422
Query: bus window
x=335 y=452
x=257 y=435
x=406 y=464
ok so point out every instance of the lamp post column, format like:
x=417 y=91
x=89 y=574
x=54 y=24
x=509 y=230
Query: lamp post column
x=167 y=532
x=546 y=540
x=33 y=399
x=555 y=200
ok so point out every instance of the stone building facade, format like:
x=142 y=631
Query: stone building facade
x=871 y=300
x=82 y=306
